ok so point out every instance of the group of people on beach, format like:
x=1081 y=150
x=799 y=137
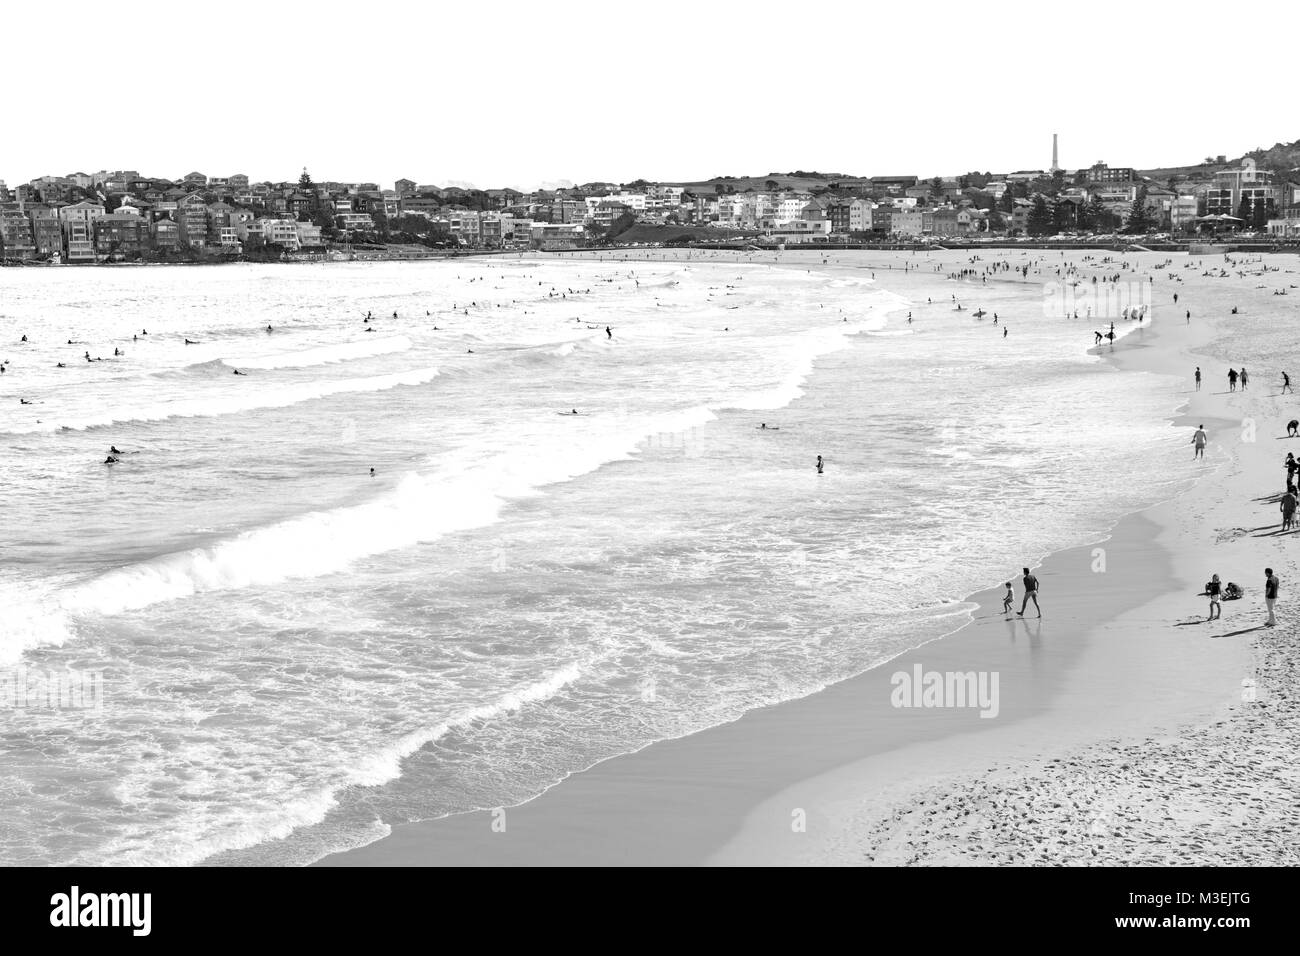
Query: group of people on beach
x=1218 y=593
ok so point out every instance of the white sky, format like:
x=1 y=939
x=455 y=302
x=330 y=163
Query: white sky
x=522 y=94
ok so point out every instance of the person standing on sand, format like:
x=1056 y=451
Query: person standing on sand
x=1292 y=427
x=1200 y=440
x=1287 y=507
x=1215 y=591
x=1031 y=591
x=1243 y=378
x=1198 y=378
x=1232 y=379
x=1271 y=585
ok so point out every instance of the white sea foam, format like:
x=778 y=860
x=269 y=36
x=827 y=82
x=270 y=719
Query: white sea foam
x=421 y=508
x=258 y=820
x=30 y=620
x=240 y=399
x=322 y=354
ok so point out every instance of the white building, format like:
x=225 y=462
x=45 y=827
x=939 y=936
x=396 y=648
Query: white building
x=281 y=232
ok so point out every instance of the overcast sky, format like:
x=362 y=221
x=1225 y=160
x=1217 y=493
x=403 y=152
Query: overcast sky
x=526 y=94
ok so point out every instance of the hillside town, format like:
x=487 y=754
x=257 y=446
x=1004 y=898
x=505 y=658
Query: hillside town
x=123 y=216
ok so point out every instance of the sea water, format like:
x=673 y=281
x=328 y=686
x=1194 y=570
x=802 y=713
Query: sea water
x=296 y=655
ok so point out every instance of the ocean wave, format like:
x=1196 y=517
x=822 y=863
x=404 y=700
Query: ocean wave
x=278 y=821
x=30 y=621
x=246 y=401
x=421 y=508
x=322 y=354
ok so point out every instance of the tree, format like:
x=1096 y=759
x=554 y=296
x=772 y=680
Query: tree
x=771 y=185
x=996 y=222
x=1139 y=217
x=305 y=183
x=936 y=187
x=1039 y=222
x=1093 y=216
x=1062 y=215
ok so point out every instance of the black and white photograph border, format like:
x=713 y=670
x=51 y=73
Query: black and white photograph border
x=580 y=436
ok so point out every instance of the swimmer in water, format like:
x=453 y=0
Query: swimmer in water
x=238 y=372
x=372 y=472
x=112 y=450
x=110 y=460
x=268 y=327
x=190 y=342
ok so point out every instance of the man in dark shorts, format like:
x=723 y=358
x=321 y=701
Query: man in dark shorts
x=1270 y=595
x=1031 y=592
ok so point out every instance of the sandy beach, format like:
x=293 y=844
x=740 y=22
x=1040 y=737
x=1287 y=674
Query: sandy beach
x=1125 y=730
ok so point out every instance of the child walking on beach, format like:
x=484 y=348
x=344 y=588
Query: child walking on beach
x=1008 y=599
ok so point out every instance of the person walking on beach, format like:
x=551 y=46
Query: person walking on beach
x=1031 y=591
x=1232 y=379
x=1286 y=384
x=1215 y=590
x=1243 y=378
x=1008 y=599
x=1287 y=507
x=1198 y=378
x=1271 y=585
x=1200 y=440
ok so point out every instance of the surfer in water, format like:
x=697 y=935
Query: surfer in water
x=608 y=333
x=113 y=450
x=238 y=372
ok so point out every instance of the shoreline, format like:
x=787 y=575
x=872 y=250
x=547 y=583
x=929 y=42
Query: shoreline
x=723 y=795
